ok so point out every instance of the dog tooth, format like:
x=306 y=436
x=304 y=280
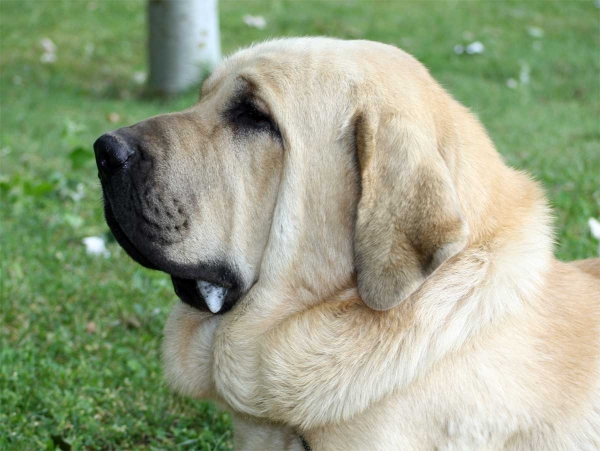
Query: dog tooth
x=214 y=295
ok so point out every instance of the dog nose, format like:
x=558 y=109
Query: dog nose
x=111 y=153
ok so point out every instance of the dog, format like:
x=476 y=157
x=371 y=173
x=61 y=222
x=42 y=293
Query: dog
x=358 y=267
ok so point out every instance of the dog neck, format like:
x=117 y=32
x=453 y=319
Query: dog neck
x=506 y=211
x=509 y=218
x=510 y=248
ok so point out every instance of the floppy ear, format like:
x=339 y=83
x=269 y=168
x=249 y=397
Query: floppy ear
x=408 y=220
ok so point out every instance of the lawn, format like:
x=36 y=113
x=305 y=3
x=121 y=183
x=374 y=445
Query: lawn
x=81 y=334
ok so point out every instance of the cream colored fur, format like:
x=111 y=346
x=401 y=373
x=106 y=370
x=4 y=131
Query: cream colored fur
x=407 y=297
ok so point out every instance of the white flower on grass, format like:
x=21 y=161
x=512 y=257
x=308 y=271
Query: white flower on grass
x=255 y=21
x=595 y=229
x=535 y=32
x=475 y=48
x=95 y=245
x=48 y=45
x=524 y=74
x=48 y=58
x=79 y=193
x=524 y=77
x=512 y=83
x=114 y=117
x=139 y=77
x=459 y=49
x=49 y=55
x=89 y=49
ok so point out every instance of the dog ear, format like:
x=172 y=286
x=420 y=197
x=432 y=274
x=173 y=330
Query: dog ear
x=408 y=218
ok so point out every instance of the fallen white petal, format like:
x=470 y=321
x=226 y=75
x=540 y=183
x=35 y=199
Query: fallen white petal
x=512 y=83
x=255 y=21
x=535 y=32
x=475 y=48
x=48 y=45
x=79 y=193
x=594 y=227
x=48 y=58
x=89 y=49
x=95 y=245
x=214 y=295
x=140 y=77
x=524 y=74
x=459 y=49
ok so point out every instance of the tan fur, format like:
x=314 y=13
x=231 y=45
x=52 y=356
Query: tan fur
x=407 y=296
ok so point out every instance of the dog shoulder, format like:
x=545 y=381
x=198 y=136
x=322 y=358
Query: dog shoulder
x=590 y=266
x=570 y=329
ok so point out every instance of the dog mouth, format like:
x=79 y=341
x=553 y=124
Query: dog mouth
x=214 y=288
x=203 y=295
x=210 y=287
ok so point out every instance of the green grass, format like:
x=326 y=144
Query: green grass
x=81 y=334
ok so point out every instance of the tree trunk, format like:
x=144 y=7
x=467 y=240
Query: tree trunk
x=184 y=43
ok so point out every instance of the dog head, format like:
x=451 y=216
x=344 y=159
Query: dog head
x=308 y=161
x=192 y=193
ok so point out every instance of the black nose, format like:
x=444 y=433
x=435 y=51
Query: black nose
x=111 y=153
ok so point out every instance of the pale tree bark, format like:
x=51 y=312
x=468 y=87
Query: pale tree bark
x=184 y=43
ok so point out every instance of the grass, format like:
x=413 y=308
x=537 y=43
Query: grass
x=81 y=334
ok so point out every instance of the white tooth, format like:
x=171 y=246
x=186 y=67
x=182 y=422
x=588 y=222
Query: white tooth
x=214 y=295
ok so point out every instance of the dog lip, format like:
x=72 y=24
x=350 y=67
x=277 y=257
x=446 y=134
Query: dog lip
x=187 y=290
x=183 y=276
x=181 y=271
x=122 y=239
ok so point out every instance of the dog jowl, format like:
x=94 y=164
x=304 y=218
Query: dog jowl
x=178 y=190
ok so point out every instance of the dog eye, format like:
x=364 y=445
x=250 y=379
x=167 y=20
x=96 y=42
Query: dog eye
x=248 y=116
